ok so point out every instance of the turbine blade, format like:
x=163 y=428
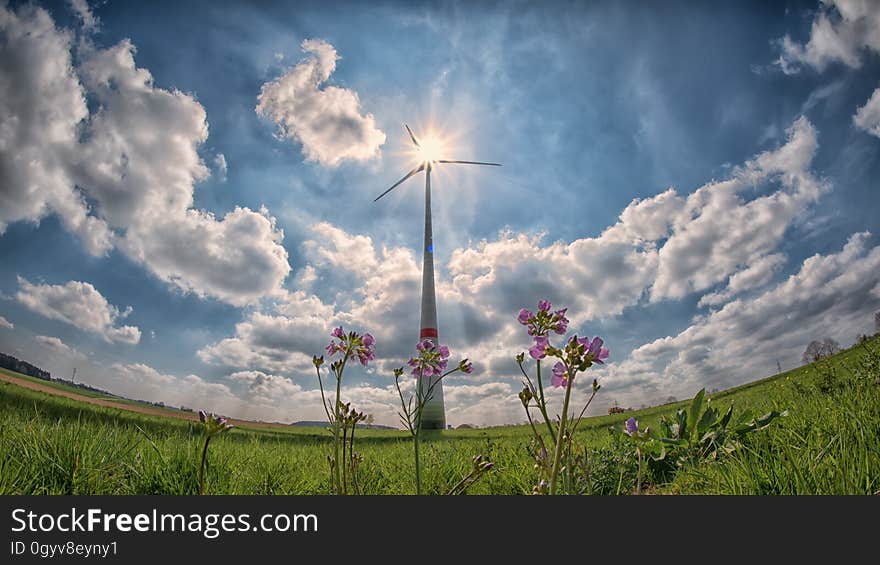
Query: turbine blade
x=469 y=163
x=395 y=185
x=412 y=135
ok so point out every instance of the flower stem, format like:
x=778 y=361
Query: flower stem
x=418 y=468
x=323 y=399
x=336 y=462
x=557 y=453
x=542 y=405
x=202 y=467
x=639 y=476
x=344 y=459
x=419 y=404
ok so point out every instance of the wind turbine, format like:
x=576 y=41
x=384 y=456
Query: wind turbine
x=434 y=412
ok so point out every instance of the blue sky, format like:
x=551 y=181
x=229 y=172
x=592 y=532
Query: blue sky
x=187 y=191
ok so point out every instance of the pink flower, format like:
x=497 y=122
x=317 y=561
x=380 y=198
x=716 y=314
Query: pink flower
x=466 y=366
x=524 y=316
x=538 y=351
x=353 y=345
x=430 y=359
x=596 y=351
x=560 y=375
x=544 y=305
x=632 y=426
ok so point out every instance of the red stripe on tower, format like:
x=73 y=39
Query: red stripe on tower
x=427 y=332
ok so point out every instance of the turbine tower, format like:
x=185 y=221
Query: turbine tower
x=434 y=413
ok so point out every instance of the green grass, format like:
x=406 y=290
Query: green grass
x=829 y=444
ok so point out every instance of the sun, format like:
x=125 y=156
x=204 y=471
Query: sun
x=430 y=149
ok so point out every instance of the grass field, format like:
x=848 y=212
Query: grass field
x=828 y=444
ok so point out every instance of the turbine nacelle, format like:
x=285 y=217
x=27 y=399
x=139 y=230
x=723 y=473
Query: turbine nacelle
x=429 y=150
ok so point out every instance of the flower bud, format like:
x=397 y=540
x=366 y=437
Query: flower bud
x=317 y=361
x=520 y=357
x=525 y=396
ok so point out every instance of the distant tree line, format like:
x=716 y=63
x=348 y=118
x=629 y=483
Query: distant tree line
x=23 y=367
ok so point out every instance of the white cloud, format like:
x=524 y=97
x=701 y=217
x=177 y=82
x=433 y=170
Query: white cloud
x=57 y=347
x=143 y=382
x=717 y=233
x=281 y=341
x=221 y=166
x=41 y=106
x=840 y=32
x=238 y=259
x=81 y=8
x=867 y=117
x=135 y=158
x=756 y=275
x=4 y=323
x=326 y=121
x=829 y=296
x=78 y=304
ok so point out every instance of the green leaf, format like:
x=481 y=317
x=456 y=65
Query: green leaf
x=697 y=407
x=682 y=425
x=726 y=418
x=744 y=417
x=709 y=418
x=765 y=420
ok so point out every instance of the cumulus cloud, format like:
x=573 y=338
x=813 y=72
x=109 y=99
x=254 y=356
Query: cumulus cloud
x=141 y=381
x=238 y=259
x=57 y=347
x=125 y=174
x=867 y=117
x=89 y=21
x=755 y=275
x=41 y=105
x=830 y=295
x=718 y=232
x=4 y=323
x=840 y=32
x=326 y=121
x=281 y=341
x=78 y=304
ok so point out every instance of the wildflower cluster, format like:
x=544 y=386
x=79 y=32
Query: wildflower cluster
x=544 y=321
x=352 y=345
x=343 y=419
x=214 y=424
x=431 y=360
x=577 y=355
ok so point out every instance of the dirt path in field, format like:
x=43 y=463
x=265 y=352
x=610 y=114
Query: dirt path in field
x=141 y=409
